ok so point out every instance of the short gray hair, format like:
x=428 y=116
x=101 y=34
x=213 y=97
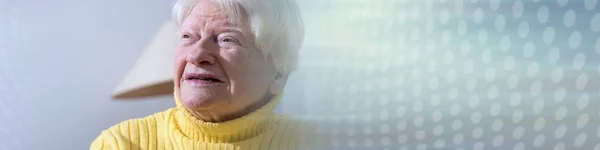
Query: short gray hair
x=276 y=25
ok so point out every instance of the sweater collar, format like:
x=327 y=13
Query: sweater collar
x=234 y=130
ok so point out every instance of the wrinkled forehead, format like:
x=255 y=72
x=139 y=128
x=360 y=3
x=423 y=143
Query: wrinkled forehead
x=214 y=13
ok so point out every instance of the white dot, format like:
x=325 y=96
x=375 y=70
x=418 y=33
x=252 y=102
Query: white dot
x=517 y=116
x=505 y=43
x=458 y=138
x=581 y=81
x=436 y=116
x=429 y=26
x=575 y=40
x=473 y=101
x=462 y=28
x=492 y=92
x=548 y=35
x=513 y=81
x=368 y=142
x=478 y=146
x=595 y=22
x=536 y=88
x=418 y=121
x=435 y=100
x=538 y=106
x=583 y=101
x=597 y=46
x=494 y=5
x=475 y=118
x=500 y=23
x=497 y=125
x=498 y=140
x=468 y=66
x=482 y=36
x=561 y=112
x=414 y=14
x=583 y=120
x=402 y=138
x=444 y=16
x=452 y=93
x=478 y=15
x=515 y=99
x=446 y=37
x=509 y=63
x=528 y=49
x=590 y=4
x=486 y=56
x=519 y=146
x=569 y=18
x=451 y=76
x=439 y=143
x=420 y=135
x=477 y=133
x=455 y=109
x=518 y=132
x=557 y=75
x=523 y=29
x=384 y=115
x=539 y=124
x=448 y=57
x=562 y=3
x=560 y=94
x=352 y=143
x=456 y=124
x=367 y=130
x=579 y=60
x=438 y=130
x=560 y=131
x=400 y=111
x=421 y=147
x=458 y=6
x=401 y=125
x=417 y=90
x=580 y=140
x=559 y=146
x=495 y=109
x=539 y=140
x=433 y=84
x=518 y=9
x=385 y=141
x=543 y=14
x=490 y=74
x=533 y=69
x=471 y=84
x=553 y=55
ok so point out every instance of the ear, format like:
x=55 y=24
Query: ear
x=278 y=84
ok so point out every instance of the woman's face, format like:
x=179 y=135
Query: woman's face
x=218 y=67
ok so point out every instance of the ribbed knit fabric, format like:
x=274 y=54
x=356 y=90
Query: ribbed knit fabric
x=176 y=128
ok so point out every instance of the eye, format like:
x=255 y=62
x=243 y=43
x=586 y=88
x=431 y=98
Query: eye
x=228 y=40
x=185 y=36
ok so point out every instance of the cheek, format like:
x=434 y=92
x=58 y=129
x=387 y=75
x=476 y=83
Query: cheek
x=247 y=70
x=179 y=67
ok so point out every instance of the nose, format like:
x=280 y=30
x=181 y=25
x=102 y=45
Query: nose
x=203 y=54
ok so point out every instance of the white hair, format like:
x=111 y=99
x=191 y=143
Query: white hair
x=276 y=24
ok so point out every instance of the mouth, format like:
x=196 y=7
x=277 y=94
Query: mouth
x=202 y=79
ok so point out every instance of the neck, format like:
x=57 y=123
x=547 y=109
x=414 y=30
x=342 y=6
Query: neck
x=218 y=116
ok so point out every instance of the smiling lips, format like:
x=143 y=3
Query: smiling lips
x=201 y=79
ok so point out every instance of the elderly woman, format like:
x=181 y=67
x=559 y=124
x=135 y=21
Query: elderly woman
x=232 y=64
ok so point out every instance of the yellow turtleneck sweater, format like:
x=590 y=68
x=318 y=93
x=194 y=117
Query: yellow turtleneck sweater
x=176 y=128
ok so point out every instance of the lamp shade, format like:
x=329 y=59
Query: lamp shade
x=152 y=73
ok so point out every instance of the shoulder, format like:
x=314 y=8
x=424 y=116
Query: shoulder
x=132 y=132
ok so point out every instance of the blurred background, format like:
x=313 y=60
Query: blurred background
x=386 y=74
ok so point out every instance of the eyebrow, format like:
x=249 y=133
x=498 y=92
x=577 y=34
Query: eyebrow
x=231 y=29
